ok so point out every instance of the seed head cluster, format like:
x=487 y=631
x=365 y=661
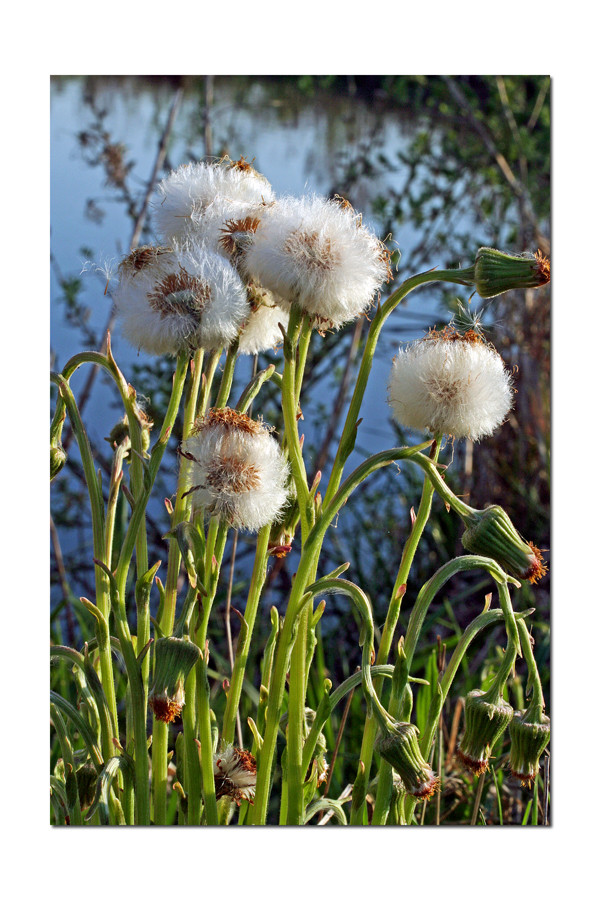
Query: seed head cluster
x=235 y=774
x=235 y=258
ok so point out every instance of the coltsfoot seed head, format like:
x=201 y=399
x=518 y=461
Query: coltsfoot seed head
x=317 y=254
x=238 y=471
x=235 y=774
x=529 y=736
x=450 y=383
x=400 y=747
x=172 y=298
x=198 y=200
x=174 y=659
x=262 y=330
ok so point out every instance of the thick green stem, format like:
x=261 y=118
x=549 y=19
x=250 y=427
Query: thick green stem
x=307 y=564
x=227 y=376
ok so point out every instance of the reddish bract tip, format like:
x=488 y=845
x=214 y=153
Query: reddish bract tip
x=476 y=766
x=165 y=710
x=538 y=568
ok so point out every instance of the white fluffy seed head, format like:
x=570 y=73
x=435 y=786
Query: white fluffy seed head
x=238 y=471
x=171 y=298
x=261 y=331
x=197 y=200
x=317 y=254
x=452 y=384
x=235 y=774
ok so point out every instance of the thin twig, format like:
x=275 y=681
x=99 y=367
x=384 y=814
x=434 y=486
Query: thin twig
x=137 y=230
x=517 y=187
x=64 y=583
x=546 y=788
x=538 y=105
x=454 y=731
x=337 y=747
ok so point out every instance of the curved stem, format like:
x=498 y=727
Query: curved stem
x=308 y=560
x=391 y=621
x=348 y=437
x=537 y=703
x=98 y=533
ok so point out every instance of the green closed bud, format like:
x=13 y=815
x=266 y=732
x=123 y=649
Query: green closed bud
x=497 y=272
x=58 y=458
x=399 y=746
x=486 y=719
x=529 y=735
x=87 y=778
x=174 y=659
x=120 y=432
x=490 y=532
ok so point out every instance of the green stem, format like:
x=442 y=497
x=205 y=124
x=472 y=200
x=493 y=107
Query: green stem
x=484 y=620
x=227 y=376
x=348 y=437
x=289 y=406
x=308 y=561
x=295 y=726
x=257 y=581
x=98 y=534
x=391 y=621
x=69 y=764
x=537 y=703
x=215 y=546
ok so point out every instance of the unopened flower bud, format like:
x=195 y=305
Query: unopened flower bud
x=491 y=533
x=58 y=458
x=528 y=741
x=87 y=778
x=485 y=721
x=173 y=661
x=497 y=272
x=400 y=747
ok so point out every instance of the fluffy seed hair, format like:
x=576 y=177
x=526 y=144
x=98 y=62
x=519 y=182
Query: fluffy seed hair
x=238 y=471
x=316 y=253
x=451 y=384
x=197 y=200
x=261 y=331
x=171 y=298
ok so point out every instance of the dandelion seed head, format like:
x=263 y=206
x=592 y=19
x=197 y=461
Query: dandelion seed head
x=238 y=470
x=450 y=383
x=317 y=254
x=197 y=199
x=170 y=298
